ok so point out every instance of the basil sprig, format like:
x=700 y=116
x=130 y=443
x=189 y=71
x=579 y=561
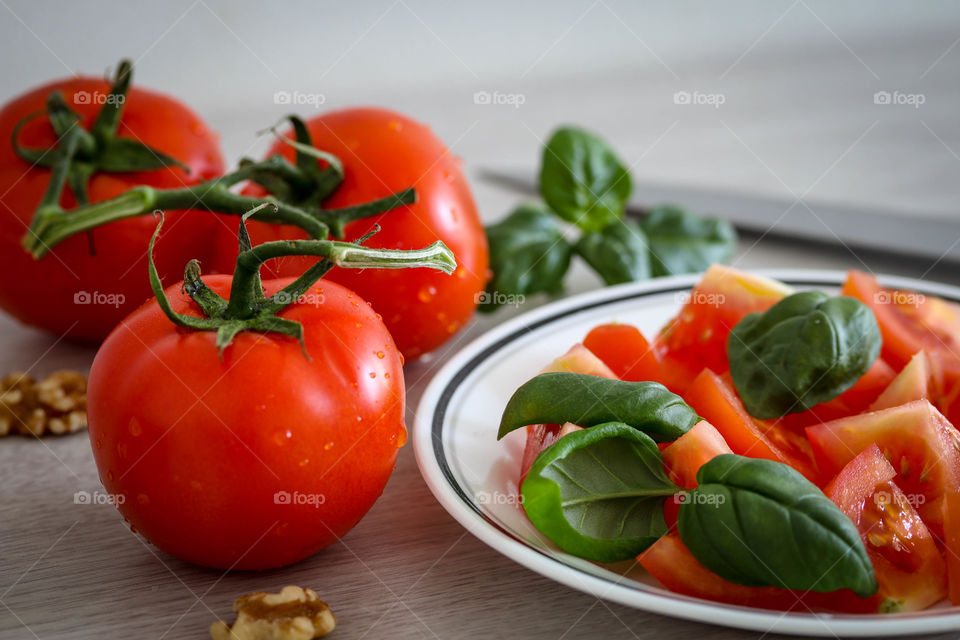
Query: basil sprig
x=528 y=255
x=585 y=400
x=604 y=512
x=681 y=242
x=618 y=253
x=585 y=184
x=806 y=349
x=760 y=523
x=582 y=179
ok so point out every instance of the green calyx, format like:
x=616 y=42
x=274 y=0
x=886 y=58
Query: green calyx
x=79 y=153
x=249 y=309
x=296 y=190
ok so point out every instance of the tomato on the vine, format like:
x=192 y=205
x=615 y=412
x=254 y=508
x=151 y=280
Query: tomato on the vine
x=384 y=152
x=85 y=285
x=258 y=458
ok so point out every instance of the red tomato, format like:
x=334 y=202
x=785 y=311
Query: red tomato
x=259 y=458
x=951 y=525
x=918 y=441
x=71 y=291
x=715 y=400
x=670 y=562
x=384 y=152
x=914 y=382
x=685 y=455
x=697 y=336
x=907 y=563
x=910 y=322
x=624 y=349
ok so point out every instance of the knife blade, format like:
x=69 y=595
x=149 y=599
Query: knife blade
x=913 y=234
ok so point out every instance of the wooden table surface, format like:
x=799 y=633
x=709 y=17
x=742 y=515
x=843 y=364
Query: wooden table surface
x=798 y=122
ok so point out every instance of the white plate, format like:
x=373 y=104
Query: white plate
x=475 y=477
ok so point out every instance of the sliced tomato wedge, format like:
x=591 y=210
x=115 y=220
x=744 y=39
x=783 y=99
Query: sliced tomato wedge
x=685 y=455
x=625 y=351
x=951 y=524
x=910 y=570
x=916 y=381
x=716 y=401
x=670 y=562
x=921 y=445
x=697 y=336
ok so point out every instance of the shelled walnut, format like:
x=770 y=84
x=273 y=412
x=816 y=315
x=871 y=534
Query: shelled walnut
x=56 y=404
x=292 y=614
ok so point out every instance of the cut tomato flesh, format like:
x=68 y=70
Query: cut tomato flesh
x=921 y=445
x=910 y=570
x=625 y=350
x=951 y=524
x=697 y=336
x=685 y=455
x=716 y=401
x=914 y=382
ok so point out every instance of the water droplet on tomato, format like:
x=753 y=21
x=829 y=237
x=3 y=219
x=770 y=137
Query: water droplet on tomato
x=99 y=442
x=133 y=529
x=379 y=317
x=447 y=176
x=399 y=438
x=426 y=293
x=396 y=125
x=143 y=498
x=135 y=428
x=373 y=375
x=386 y=375
x=110 y=476
x=281 y=529
x=328 y=446
x=454 y=215
x=381 y=355
x=402 y=360
x=122 y=449
x=452 y=327
x=304 y=462
x=281 y=437
x=359 y=418
x=359 y=326
x=355 y=303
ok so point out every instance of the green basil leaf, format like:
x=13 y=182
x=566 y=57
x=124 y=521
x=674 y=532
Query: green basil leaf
x=584 y=400
x=681 y=242
x=582 y=179
x=598 y=493
x=618 y=253
x=806 y=349
x=760 y=523
x=528 y=254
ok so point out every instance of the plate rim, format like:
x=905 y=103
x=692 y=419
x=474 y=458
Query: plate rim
x=428 y=449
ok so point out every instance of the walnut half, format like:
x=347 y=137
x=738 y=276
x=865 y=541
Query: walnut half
x=56 y=404
x=292 y=614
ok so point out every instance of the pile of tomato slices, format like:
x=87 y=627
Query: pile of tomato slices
x=885 y=451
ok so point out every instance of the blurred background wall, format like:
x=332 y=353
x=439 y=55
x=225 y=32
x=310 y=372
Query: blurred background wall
x=781 y=95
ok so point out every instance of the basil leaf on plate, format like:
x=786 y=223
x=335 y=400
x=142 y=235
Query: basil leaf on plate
x=582 y=179
x=528 y=254
x=584 y=400
x=806 y=349
x=618 y=253
x=598 y=493
x=760 y=523
x=681 y=242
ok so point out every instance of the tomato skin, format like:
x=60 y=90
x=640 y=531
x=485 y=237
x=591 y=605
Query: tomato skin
x=909 y=568
x=199 y=446
x=952 y=542
x=921 y=445
x=43 y=293
x=624 y=349
x=384 y=152
x=685 y=455
x=715 y=400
